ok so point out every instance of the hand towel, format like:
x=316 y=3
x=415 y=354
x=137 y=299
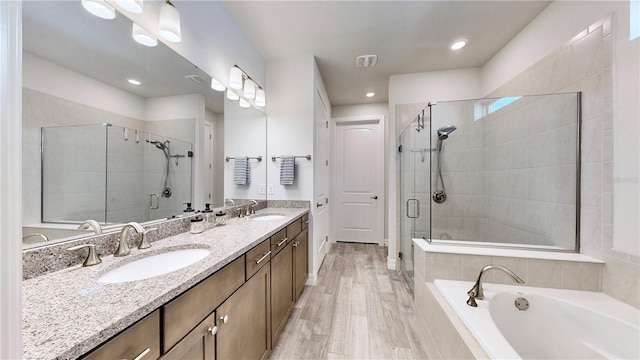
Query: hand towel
x=287 y=169
x=241 y=170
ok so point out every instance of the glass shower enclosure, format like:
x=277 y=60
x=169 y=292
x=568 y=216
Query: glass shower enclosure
x=112 y=174
x=492 y=172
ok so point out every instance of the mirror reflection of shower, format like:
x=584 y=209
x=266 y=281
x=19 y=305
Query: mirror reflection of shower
x=164 y=146
x=440 y=195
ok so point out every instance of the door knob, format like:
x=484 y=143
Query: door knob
x=375 y=197
x=318 y=205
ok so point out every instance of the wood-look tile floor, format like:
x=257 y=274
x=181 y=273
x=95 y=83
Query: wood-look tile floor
x=357 y=310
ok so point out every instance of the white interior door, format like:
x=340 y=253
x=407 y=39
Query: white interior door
x=321 y=181
x=358 y=180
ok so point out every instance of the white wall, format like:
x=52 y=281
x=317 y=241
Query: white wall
x=420 y=88
x=217 y=121
x=44 y=76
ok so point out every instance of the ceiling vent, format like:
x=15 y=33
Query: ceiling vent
x=364 y=61
x=197 y=79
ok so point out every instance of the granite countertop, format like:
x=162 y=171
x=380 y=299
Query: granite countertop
x=66 y=313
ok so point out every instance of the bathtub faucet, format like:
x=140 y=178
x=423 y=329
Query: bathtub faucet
x=476 y=291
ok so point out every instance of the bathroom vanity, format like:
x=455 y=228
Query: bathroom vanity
x=231 y=304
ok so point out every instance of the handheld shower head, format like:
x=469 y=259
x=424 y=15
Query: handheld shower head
x=445 y=131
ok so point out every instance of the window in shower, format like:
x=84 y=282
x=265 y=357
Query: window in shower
x=510 y=177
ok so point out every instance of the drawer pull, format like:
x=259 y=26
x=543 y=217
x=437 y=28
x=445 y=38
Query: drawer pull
x=212 y=330
x=224 y=319
x=142 y=354
x=282 y=242
x=264 y=256
x=306 y=222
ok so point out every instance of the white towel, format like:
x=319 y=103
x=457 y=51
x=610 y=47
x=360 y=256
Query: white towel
x=287 y=169
x=241 y=170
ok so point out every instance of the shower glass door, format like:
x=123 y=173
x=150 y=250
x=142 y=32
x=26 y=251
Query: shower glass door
x=414 y=189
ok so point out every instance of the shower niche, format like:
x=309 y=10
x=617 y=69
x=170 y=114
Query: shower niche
x=112 y=174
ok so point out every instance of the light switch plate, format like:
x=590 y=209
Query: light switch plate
x=271 y=189
x=262 y=186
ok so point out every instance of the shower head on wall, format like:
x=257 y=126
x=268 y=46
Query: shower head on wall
x=159 y=145
x=445 y=131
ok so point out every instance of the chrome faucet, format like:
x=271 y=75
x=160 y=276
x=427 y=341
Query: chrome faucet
x=233 y=203
x=251 y=207
x=476 y=291
x=97 y=229
x=123 y=246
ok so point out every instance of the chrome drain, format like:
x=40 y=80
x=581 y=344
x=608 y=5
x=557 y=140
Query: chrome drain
x=521 y=303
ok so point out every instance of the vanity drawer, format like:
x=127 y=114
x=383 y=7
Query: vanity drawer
x=189 y=309
x=141 y=337
x=294 y=228
x=277 y=242
x=305 y=221
x=257 y=257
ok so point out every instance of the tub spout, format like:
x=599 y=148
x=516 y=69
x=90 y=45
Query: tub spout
x=476 y=291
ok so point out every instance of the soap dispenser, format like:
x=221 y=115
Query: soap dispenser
x=188 y=211
x=209 y=218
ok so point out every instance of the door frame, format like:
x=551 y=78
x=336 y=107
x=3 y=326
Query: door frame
x=380 y=118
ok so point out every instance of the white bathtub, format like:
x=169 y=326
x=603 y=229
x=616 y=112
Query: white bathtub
x=559 y=324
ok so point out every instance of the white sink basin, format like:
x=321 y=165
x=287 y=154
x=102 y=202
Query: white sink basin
x=267 y=217
x=155 y=265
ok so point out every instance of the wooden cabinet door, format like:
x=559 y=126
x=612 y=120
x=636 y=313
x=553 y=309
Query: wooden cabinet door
x=140 y=341
x=282 y=290
x=301 y=261
x=244 y=320
x=199 y=344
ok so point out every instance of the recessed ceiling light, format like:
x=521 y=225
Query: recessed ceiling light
x=371 y=94
x=458 y=44
x=134 y=82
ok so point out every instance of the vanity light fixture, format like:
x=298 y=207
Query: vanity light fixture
x=134 y=82
x=370 y=94
x=143 y=37
x=99 y=8
x=260 y=98
x=217 y=85
x=249 y=89
x=169 y=24
x=244 y=103
x=134 y=6
x=232 y=96
x=458 y=44
x=235 y=78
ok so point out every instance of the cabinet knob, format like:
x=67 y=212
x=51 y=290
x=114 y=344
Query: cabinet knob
x=224 y=319
x=212 y=330
x=295 y=244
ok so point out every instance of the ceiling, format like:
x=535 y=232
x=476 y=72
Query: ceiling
x=66 y=34
x=407 y=36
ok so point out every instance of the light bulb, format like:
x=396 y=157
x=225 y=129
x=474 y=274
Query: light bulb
x=249 y=89
x=244 y=103
x=217 y=85
x=458 y=44
x=260 y=98
x=232 y=96
x=99 y=8
x=134 y=6
x=169 y=24
x=235 y=78
x=143 y=37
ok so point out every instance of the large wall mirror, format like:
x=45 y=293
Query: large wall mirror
x=96 y=146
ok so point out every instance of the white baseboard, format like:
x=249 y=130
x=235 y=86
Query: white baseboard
x=312 y=280
x=391 y=263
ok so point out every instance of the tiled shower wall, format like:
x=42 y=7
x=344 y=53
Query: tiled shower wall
x=40 y=109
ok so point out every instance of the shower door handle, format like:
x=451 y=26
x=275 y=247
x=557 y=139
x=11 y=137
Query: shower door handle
x=157 y=201
x=417 y=208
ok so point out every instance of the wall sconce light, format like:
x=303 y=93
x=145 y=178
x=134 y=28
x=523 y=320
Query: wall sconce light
x=217 y=85
x=99 y=8
x=238 y=79
x=244 y=103
x=134 y=6
x=232 y=96
x=169 y=23
x=143 y=37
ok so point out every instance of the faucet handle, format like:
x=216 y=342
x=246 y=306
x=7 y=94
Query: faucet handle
x=144 y=244
x=472 y=298
x=92 y=257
